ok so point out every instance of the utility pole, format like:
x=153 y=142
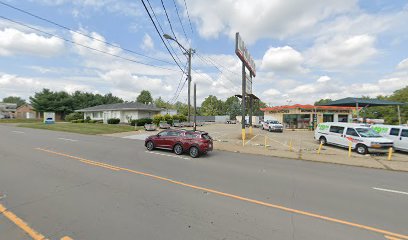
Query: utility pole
x=195 y=108
x=189 y=53
x=243 y=102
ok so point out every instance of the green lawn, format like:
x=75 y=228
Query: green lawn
x=14 y=120
x=83 y=128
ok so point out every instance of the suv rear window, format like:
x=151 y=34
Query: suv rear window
x=205 y=136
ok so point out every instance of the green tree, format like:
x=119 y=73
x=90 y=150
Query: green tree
x=144 y=97
x=109 y=99
x=323 y=101
x=13 y=99
x=48 y=101
x=212 y=106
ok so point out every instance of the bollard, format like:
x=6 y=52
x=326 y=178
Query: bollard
x=290 y=145
x=265 y=141
x=243 y=137
x=250 y=130
x=349 y=149
x=320 y=148
x=390 y=154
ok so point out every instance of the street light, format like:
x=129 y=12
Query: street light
x=189 y=53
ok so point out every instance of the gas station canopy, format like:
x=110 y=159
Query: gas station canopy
x=360 y=102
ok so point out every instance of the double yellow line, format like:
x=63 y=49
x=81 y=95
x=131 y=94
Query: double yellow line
x=23 y=225
x=387 y=234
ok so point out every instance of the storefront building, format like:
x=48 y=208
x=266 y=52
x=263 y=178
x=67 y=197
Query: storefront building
x=306 y=116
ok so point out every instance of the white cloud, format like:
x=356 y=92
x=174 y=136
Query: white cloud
x=282 y=59
x=14 y=85
x=262 y=18
x=147 y=43
x=403 y=65
x=323 y=79
x=341 y=52
x=13 y=41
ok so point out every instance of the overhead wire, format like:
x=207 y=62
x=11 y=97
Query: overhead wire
x=81 y=33
x=171 y=25
x=158 y=32
x=85 y=46
x=162 y=31
x=188 y=15
x=179 y=18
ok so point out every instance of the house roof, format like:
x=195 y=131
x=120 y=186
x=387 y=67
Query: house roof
x=121 y=106
x=352 y=102
x=305 y=106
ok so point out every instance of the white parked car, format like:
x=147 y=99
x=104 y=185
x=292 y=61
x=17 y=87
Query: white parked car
x=363 y=139
x=399 y=134
x=272 y=126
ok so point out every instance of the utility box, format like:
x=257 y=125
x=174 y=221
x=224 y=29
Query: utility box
x=49 y=117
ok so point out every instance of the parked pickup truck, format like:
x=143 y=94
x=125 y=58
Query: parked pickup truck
x=272 y=126
x=164 y=125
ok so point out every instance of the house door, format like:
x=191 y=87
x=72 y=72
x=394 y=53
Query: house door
x=105 y=117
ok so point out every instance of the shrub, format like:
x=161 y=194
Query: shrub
x=88 y=119
x=74 y=116
x=157 y=118
x=113 y=121
x=141 y=122
x=93 y=121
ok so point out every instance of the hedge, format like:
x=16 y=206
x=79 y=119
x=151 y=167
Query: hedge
x=141 y=122
x=74 y=116
x=113 y=121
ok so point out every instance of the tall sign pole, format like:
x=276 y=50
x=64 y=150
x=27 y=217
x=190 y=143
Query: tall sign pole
x=243 y=103
x=247 y=62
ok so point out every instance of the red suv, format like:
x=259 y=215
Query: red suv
x=180 y=141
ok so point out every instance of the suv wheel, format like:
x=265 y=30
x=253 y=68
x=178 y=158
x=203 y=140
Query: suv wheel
x=323 y=140
x=178 y=149
x=150 y=145
x=361 y=149
x=194 y=152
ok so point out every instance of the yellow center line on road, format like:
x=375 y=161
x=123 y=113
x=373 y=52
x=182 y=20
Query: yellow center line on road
x=388 y=234
x=23 y=225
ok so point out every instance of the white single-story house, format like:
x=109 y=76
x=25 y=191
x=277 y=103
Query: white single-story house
x=124 y=111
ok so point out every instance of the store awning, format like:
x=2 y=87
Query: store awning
x=361 y=102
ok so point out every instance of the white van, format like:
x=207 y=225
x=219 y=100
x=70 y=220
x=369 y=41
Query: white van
x=399 y=134
x=363 y=139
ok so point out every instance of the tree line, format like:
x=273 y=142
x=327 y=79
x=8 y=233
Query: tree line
x=65 y=103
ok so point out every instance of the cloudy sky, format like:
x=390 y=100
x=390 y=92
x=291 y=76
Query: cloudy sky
x=304 y=50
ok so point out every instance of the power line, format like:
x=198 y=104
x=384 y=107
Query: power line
x=188 y=15
x=217 y=65
x=80 y=33
x=222 y=73
x=157 y=30
x=88 y=47
x=179 y=84
x=179 y=18
x=162 y=31
x=171 y=26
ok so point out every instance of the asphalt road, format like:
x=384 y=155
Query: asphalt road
x=92 y=187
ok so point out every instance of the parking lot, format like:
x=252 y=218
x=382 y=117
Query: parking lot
x=298 y=144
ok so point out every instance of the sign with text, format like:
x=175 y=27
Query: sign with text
x=243 y=54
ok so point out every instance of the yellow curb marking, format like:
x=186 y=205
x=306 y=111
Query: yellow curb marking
x=283 y=208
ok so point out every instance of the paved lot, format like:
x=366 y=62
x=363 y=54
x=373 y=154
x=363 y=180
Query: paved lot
x=290 y=144
x=96 y=187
